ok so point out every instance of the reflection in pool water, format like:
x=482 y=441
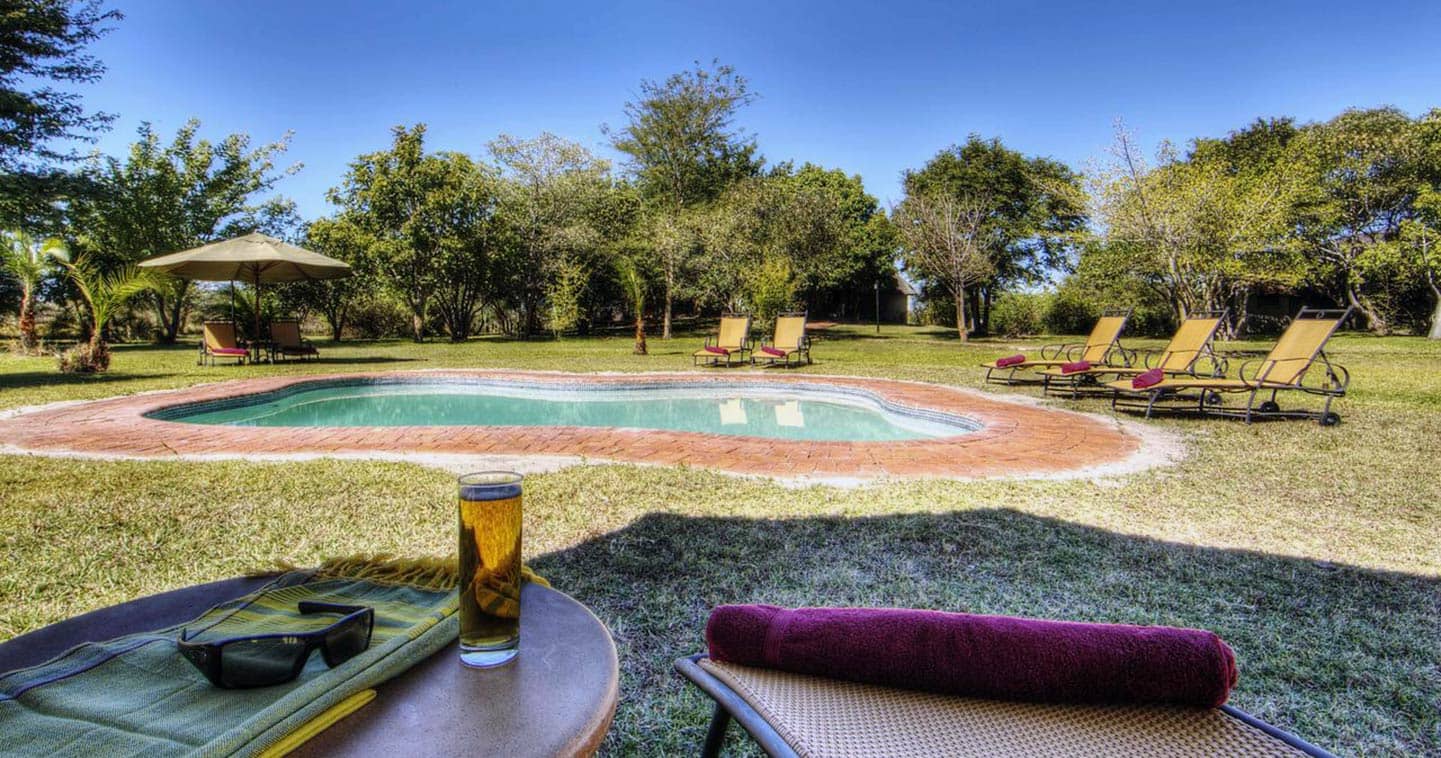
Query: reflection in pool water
x=799 y=413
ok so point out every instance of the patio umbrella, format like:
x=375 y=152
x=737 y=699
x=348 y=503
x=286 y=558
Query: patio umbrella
x=254 y=258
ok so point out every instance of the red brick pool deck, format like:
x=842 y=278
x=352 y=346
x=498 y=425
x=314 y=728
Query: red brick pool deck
x=1016 y=439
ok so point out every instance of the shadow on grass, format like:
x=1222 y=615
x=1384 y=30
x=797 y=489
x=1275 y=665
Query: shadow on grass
x=1345 y=657
x=24 y=379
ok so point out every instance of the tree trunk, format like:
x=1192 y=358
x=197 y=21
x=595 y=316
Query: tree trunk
x=961 y=313
x=1435 y=332
x=640 y=348
x=1375 y=322
x=175 y=317
x=669 y=289
x=29 y=340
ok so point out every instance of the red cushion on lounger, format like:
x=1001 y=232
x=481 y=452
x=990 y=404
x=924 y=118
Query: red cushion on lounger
x=1148 y=379
x=1076 y=367
x=229 y=351
x=997 y=657
x=773 y=351
x=717 y=350
x=1010 y=360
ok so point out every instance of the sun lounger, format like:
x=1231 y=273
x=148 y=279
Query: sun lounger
x=795 y=714
x=219 y=342
x=790 y=341
x=1286 y=368
x=732 y=342
x=1188 y=353
x=286 y=341
x=1102 y=348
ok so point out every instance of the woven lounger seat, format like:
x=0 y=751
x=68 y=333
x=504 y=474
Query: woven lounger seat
x=799 y=715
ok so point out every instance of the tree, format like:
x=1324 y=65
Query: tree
x=165 y=198
x=42 y=44
x=103 y=291
x=426 y=217
x=684 y=149
x=1200 y=230
x=634 y=285
x=943 y=240
x=334 y=299
x=28 y=260
x=552 y=186
x=43 y=41
x=1364 y=169
x=1036 y=210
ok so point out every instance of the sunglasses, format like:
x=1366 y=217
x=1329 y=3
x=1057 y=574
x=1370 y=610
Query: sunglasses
x=262 y=660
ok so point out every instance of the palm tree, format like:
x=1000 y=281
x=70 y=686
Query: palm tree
x=104 y=293
x=633 y=284
x=28 y=260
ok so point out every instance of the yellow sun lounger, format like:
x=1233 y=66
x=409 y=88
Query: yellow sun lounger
x=219 y=342
x=732 y=341
x=1285 y=368
x=1102 y=348
x=790 y=341
x=1188 y=351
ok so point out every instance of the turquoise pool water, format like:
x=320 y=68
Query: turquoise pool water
x=775 y=412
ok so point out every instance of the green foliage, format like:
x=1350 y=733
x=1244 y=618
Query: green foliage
x=1071 y=312
x=1018 y=314
x=1035 y=207
x=680 y=137
x=104 y=291
x=770 y=289
x=164 y=198
x=635 y=286
x=1201 y=231
x=684 y=150
x=557 y=204
x=428 y=221
x=42 y=42
x=28 y=260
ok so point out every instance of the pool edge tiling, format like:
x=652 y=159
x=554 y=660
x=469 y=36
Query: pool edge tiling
x=1016 y=439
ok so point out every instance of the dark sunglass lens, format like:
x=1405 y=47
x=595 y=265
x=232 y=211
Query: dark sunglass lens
x=261 y=662
x=348 y=640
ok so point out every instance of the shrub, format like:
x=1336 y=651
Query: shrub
x=1070 y=313
x=1017 y=314
x=84 y=358
x=378 y=317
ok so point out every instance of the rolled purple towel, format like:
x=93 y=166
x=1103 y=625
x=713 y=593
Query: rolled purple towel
x=1075 y=367
x=1010 y=360
x=997 y=657
x=717 y=350
x=1148 y=378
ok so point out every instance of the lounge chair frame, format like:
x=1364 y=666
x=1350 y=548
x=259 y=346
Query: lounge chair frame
x=207 y=357
x=1208 y=401
x=802 y=349
x=729 y=705
x=305 y=349
x=743 y=354
x=1085 y=382
x=1067 y=352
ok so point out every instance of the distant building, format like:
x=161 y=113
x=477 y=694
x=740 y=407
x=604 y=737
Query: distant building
x=897 y=298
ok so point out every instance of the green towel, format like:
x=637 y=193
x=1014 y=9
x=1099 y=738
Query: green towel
x=135 y=695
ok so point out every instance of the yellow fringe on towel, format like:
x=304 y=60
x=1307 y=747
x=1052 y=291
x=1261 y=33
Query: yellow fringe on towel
x=428 y=573
x=318 y=724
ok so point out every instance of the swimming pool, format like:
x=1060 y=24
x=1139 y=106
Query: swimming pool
x=790 y=412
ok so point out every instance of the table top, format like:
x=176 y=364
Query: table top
x=556 y=698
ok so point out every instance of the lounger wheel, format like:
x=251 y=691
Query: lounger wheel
x=1270 y=406
x=1330 y=418
x=1211 y=397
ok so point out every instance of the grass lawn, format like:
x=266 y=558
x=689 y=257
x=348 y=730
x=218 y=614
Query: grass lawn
x=1314 y=552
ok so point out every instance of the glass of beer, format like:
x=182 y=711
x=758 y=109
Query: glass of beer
x=489 y=568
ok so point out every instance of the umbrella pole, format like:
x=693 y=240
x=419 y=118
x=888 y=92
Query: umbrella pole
x=257 y=316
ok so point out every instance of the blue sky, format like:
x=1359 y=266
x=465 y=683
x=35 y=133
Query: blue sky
x=871 y=88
